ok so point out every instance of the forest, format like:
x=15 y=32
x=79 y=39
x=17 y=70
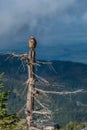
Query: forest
x=70 y=110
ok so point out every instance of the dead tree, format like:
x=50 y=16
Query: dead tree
x=31 y=84
x=33 y=92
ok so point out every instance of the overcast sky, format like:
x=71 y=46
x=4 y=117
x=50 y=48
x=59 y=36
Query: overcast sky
x=52 y=22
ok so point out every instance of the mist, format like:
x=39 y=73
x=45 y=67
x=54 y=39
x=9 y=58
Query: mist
x=53 y=23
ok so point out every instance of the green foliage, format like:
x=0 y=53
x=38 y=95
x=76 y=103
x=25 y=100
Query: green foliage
x=6 y=120
x=74 y=126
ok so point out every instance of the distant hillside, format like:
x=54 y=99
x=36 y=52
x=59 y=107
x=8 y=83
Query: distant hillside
x=63 y=76
x=76 y=52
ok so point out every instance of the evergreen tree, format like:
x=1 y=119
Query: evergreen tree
x=7 y=121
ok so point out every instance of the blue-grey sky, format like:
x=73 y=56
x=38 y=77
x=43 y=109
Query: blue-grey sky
x=52 y=22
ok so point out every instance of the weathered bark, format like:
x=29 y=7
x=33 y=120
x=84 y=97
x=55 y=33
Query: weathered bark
x=30 y=97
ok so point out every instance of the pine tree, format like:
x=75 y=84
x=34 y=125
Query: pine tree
x=7 y=121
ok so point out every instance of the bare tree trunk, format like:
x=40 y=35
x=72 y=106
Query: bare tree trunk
x=31 y=85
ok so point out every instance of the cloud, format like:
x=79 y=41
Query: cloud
x=48 y=20
x=85 y=17
x=18 y=12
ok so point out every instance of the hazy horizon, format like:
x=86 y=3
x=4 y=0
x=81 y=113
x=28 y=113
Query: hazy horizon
x=58 y=26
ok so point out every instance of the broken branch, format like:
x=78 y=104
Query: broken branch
x=59 y=93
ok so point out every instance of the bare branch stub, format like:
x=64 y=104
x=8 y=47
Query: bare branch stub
x=40 y=62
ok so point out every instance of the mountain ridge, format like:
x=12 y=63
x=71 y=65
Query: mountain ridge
x=75 y=52
x=65 y=76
